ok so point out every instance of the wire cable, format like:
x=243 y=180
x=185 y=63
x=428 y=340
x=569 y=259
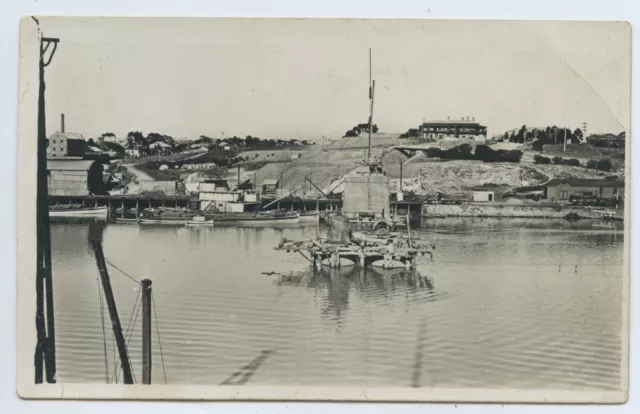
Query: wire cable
x=155 y=316
x=104 y=334
x=121 y=271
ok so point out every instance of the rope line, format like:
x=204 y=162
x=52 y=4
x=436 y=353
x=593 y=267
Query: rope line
x=155 y=316
x=116 y=371
x=129 y=340
x=113 y=347
x=104 y=334
x=121 y=271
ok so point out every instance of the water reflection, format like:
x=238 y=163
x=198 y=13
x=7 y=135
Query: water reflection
x=498 y=312
x=369 y=283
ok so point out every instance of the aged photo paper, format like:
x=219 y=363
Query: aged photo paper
x=323 y=209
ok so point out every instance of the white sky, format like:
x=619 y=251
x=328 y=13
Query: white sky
x=309 y=78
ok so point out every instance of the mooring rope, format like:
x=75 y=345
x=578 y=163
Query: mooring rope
x=121 y=271
x=104 y=333
x=130 y=327
x=155 y=316
x=116 y=371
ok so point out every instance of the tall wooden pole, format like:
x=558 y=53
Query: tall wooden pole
x=146 y=331
x=113 y=311
x=45 y=328
x=372 y=88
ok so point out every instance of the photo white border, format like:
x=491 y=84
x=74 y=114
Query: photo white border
x=604 y=12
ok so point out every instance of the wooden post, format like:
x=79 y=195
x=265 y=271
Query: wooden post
x=146 y=331
x=45 y=328
x=137 y=208
x=113 y=311
x=372 y=88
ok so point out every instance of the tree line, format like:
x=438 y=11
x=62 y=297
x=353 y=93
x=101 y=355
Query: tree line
x=144 y=144
x=482 y=153
x=359 y=129
x=602 y=164
x=543 y=136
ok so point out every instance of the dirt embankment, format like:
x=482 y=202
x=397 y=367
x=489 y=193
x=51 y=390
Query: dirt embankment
x=453 y=176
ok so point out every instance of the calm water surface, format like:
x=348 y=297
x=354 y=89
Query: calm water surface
x=502 y=305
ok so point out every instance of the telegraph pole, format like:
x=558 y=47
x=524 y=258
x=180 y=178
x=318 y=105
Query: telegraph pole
x=45 y=346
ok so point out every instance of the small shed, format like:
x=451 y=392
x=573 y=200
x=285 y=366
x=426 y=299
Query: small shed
x=269 y=188
x=483 y=196
x=214 y=186
x=366 y=195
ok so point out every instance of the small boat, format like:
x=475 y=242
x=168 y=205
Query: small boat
x=199 y=221
x=89 y=212
x=310 y=217
x=127 y=220
x=177 y=221
x=256 y=219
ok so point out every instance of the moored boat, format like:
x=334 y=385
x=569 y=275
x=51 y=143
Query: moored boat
x=171 y=221
x=199 y=221
x=256 y=219
x=126 y=220
x=310 y=217
x=88 y=212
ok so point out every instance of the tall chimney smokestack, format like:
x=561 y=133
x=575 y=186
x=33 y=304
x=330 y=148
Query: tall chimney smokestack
x=62 y=123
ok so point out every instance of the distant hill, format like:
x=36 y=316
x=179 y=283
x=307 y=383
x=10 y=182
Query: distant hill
x=362 y=141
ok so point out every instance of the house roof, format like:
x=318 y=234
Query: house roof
x=247 y=184
x=577 y=182
x=453 y=122
x=269 y=182
x=218 y=183
x=159 y=144
x=70 y=165
x=68 y=135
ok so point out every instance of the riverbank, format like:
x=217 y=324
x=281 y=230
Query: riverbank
x=504 y=210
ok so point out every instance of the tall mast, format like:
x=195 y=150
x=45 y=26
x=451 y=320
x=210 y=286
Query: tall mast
x=46 y=344
x=372 y=88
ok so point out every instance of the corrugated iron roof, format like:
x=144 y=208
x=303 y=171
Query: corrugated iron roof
x=70 y=165
x=68 y=135
x=577 y=182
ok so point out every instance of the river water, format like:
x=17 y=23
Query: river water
x=505 y=303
